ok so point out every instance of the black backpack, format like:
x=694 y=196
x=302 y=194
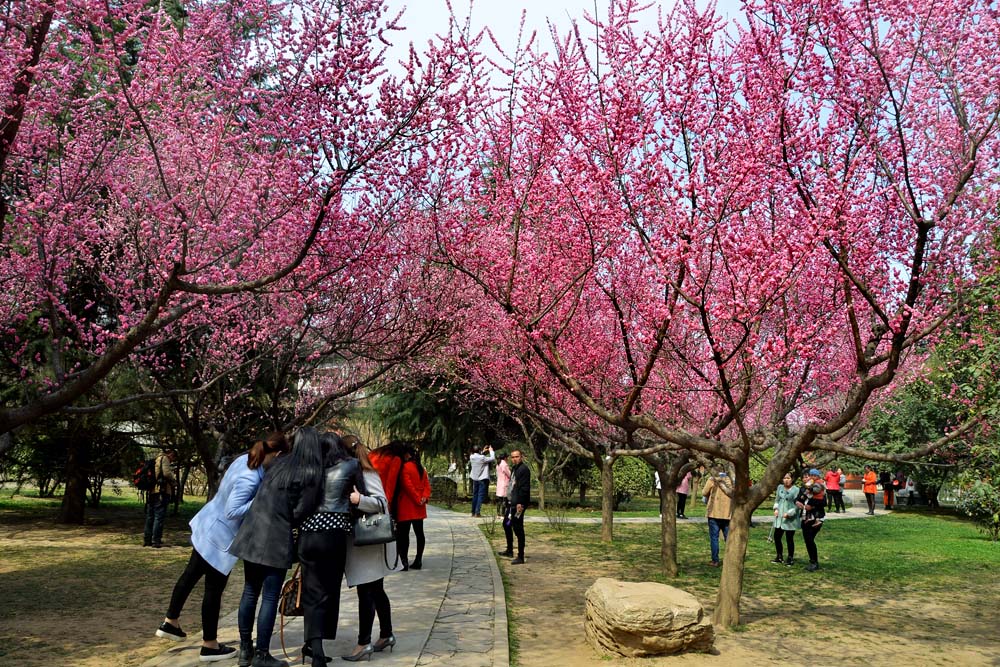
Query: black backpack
x=144 y=477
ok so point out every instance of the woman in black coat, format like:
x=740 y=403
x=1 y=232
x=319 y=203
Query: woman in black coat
x=323 y=538
x=291 y=488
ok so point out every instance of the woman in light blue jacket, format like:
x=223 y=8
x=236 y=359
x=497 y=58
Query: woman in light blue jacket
x=787 y=518
x=212 y=531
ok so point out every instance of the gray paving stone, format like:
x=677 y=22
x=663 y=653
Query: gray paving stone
x=452 y=612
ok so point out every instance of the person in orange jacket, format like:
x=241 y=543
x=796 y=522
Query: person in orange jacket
x=868 y=485
x=413 y=494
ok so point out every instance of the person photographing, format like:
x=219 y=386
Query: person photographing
x=479 y=473
x=717 y=494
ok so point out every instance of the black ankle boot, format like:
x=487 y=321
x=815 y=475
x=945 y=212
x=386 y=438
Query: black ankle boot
x=307 y=653
x=264 y=659
x=246 y=653
x=417 y=563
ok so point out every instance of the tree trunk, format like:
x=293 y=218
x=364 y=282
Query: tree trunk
x=208 y=462
x=607 y=500
x=727 y=603
x=74 y=503
x=668 y=528
x=583 y=494
x=542 y=475
x=182 y=484
x=96 y=488
x=208 y=450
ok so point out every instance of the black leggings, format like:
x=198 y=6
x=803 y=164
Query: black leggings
x=809 y=536
x=322 y=555
x=870 y=499
x=403 y=539
x=681 y=502
x=789 y=540
x=838 y=500
x=372 y=600
x=215 y=584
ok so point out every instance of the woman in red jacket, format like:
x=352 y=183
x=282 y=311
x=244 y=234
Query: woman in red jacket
x=412 y=495
x=388 y=461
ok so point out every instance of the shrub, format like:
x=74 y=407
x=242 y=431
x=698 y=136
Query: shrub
x=981 y=501
x=444 y=490
x=631 y=478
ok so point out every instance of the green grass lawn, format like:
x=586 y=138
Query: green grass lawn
x=915 y=552
x=920 y=586
x=591 y=507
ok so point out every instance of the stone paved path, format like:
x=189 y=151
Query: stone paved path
x=452 y=612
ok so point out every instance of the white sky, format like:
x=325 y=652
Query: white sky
x=424 y=18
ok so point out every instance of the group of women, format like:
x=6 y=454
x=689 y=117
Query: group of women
x=798 y=508
x=277 y=504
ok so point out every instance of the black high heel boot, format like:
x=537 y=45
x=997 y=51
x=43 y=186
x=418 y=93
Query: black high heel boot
x=307 y=652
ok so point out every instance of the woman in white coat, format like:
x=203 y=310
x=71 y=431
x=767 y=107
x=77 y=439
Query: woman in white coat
x=367 y=566
x=212 y=531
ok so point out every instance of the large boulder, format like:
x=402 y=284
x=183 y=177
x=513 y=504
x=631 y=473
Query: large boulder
x=635 y=620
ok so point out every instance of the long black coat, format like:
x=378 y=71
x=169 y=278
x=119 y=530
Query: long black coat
x=266 y=534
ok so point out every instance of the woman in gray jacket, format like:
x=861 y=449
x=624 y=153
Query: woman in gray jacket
x=787 y=518
x=367 y=566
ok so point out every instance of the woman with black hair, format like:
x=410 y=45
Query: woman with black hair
x=289 y=493
x=323 y=538
x=413 y=494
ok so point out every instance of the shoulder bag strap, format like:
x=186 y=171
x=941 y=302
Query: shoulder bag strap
x=298 y=602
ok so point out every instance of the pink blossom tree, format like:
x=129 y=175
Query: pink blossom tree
x=732 y=242
x=172 y=161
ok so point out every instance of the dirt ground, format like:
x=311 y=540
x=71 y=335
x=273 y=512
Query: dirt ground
x=547 y=595
x=90 y=596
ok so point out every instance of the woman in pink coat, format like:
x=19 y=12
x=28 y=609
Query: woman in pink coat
x=503 y=483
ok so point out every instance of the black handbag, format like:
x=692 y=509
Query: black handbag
x=375 y=528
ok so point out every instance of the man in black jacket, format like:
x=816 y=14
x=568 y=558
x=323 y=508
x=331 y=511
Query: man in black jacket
x=518 y=496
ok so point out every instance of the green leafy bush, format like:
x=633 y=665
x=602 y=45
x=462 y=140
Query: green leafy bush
x=444 y=490
x=632 y=477
x=981 y=501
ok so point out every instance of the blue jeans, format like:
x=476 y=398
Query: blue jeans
x=714 y=526
x=156 y=513
x=260 y=579
x=479 y=489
